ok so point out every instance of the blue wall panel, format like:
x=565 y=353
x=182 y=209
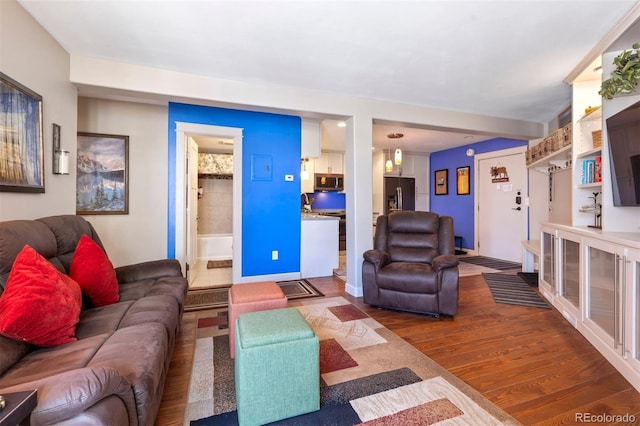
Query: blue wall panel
x=270 y=205
x=461 y=207
x=328 y=200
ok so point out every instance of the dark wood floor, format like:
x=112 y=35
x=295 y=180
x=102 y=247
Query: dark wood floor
x=528 y=361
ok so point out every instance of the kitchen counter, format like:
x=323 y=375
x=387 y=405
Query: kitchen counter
x=318 y=245
x=316 y=216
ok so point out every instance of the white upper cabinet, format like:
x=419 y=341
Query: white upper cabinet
x=310 y=145
x=330 y=162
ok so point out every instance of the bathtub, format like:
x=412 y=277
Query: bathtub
x=215 y=246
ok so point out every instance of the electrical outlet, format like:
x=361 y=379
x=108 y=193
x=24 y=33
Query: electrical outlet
x=274 y=255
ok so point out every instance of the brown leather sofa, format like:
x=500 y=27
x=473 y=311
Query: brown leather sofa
x=412 y=266
x=115 y=372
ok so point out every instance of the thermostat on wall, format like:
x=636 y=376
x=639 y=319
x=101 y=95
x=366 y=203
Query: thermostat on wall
x=288 y=178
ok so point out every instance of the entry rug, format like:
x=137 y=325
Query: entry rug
x=513 y=290
x=489 y=262
x=368 y=376
x=211 y=298
x=214 y=264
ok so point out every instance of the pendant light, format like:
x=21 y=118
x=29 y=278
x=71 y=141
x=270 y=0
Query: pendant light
x=388 y=166
x=304 y=174
x=397 y=158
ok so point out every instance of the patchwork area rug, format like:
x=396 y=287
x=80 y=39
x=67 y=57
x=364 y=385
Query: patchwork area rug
x=211 y=298
x=513 y=290
x=213 y=264
x=489 y=262
x=368 y=376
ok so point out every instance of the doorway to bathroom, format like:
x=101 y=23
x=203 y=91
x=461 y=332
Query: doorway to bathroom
x=210 y=220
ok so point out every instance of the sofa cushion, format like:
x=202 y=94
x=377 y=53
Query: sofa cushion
x=15 y=234
x=67 y=230
x=93 y=271
x=39 y=305
x=103 y=319
x=46 y=362
x=139 y=353
x=174 y=286
x=408 y=277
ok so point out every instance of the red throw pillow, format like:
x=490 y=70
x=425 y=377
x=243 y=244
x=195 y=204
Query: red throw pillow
x=39 y=305
x=93 y=271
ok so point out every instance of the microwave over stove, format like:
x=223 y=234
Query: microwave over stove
x=329 y=182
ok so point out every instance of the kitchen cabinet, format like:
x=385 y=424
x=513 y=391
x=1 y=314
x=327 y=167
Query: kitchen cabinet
x=421 y=169
x=330 y=162
x=318 y=246
x=307 y=185
x=406 y=169
x=310 y=138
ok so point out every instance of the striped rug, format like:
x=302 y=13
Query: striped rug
x=513 y=290
x=490 y=262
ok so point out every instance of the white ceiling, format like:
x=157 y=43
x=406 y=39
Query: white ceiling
x=488 y=57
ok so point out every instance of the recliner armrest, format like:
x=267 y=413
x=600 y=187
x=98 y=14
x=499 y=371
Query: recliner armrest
x=379 y=258
x=444 y=261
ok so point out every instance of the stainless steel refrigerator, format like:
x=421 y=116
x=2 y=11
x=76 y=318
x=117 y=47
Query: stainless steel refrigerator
x=399 y=194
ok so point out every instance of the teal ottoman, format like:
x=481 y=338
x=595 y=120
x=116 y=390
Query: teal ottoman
x=277 y=366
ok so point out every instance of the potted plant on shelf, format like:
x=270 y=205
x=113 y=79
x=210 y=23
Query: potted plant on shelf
x=625 y=78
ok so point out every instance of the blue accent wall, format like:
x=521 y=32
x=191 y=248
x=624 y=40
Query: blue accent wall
x=461 y=207
x=328 y=200
x=270 y=205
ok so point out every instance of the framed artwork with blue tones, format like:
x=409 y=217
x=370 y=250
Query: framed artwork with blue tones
x=21 y=139
x=102 y=174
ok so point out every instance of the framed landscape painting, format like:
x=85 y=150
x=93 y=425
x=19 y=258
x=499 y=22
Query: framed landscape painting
x=21 y=139
x=102 y=175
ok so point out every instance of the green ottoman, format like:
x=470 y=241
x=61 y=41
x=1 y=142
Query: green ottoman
x=277 y=366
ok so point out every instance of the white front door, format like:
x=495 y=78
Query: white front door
x=501 y=183
x=192 y=209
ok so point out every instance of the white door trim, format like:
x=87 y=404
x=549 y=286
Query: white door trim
x=183 y=130
x=476 y=186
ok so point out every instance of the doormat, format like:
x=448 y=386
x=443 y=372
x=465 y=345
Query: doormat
x=512 y=290
x=489 y=262
x=211 y=298
x=214 y=264
x=530 y=278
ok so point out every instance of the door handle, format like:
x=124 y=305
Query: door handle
x=517 y=208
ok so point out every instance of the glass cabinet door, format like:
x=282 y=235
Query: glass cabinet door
x=548 y=259
x=632 y=313
x=602 y=276
x=570 y=264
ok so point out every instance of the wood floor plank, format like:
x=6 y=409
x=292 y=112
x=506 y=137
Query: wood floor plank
x=528 y=361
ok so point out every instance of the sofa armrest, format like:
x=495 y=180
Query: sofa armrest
x=444 y=261
x=149 y=270
x=64 y=396
x=378 y=258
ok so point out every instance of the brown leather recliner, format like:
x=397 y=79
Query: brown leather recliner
x=412 y=266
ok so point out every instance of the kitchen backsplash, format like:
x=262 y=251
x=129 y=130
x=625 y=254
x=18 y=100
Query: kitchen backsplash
x=328 y=200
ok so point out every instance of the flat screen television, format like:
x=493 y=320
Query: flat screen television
x=623 y=130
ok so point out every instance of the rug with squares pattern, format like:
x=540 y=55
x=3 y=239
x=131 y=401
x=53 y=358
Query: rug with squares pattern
x=368 y=376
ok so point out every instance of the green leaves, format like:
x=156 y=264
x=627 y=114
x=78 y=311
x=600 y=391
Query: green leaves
x=625 y=78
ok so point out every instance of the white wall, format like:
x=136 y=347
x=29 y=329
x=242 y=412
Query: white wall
x=142 y=234
x=33 y=58
x=615 y=219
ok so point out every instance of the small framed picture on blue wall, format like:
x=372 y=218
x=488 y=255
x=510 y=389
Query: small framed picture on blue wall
x=462 y=181
x=441 y=180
